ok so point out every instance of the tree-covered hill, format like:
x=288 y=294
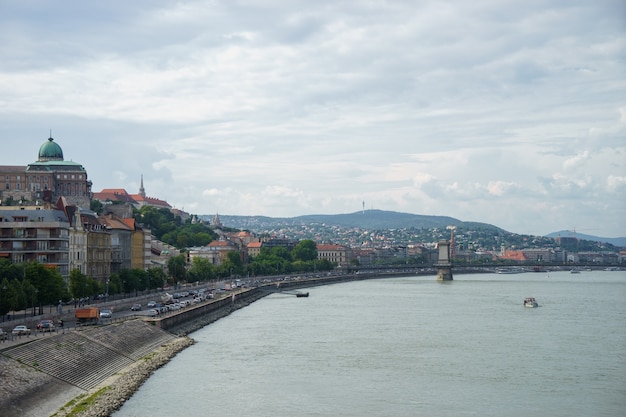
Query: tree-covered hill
x=172 y=229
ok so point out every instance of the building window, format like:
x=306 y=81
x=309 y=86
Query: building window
x=8 y=186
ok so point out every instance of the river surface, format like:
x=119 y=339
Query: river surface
x=409 y=346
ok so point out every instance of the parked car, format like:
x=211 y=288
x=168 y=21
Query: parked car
x=20 y=330
x=151 y=304
x=45 y=326
x=153 y=312
x=136 y=307
x=106 y=314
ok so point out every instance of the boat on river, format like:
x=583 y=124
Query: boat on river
x=530 y=302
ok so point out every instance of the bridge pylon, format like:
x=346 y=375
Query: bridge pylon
x=444 y=264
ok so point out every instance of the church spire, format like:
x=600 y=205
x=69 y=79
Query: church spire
x=142 y=191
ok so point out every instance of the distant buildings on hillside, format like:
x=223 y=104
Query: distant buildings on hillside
x=116 y=195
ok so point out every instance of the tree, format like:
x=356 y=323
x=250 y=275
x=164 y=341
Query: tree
x=141 y=278
x=176 y=268
x=282 y=252
x=115 y=284
x=79 y=285
x=305 y=250
x=96 y=206
x=7 y=299
x=232 y=265
x=129 y=281
x=201 y=269
x=170 y=229
x=156 y=278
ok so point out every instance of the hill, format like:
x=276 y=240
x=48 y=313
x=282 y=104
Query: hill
x=368 y=219
x=353 y=229
x=615 y=241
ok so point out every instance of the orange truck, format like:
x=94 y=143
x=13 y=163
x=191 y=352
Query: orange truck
x=89 y=315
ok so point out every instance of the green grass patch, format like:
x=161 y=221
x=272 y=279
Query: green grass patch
x=82 y=403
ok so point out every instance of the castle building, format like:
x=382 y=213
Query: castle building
x=45 y=180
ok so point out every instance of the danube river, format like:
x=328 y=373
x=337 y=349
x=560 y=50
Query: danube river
x=409 y=346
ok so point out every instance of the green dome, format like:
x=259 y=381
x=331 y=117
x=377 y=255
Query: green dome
x=50 y=151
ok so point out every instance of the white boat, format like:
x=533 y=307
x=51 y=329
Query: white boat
x=530 y=302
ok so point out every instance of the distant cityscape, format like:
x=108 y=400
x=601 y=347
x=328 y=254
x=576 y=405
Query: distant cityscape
x=50 y=214
x=471 y=242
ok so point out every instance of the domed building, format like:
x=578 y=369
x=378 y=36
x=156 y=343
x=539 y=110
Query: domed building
x=50 y=151
x=47 y=179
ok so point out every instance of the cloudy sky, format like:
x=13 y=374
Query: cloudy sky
x=506 y=112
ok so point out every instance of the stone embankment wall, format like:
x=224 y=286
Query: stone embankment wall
x=195 y=317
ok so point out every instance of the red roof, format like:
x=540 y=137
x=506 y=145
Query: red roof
x=515 y=255
x=114 y=194
x=327 y=247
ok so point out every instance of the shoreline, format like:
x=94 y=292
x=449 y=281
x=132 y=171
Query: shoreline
x=111 y=394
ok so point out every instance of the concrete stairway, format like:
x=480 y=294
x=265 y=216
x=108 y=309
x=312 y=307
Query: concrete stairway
x=86 y=358
x=133 y=338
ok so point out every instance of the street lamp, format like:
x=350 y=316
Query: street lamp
x=106 y=291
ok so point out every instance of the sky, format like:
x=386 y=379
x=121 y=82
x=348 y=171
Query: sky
x=506 y=112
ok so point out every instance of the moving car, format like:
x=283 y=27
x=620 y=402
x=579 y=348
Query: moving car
x=20 y=330
x=45 y=326
x=136 y=307
x=106 y=314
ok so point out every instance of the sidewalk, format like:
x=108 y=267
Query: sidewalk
x=18 y=340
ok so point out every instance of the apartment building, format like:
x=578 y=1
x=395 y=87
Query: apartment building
x=31 y=233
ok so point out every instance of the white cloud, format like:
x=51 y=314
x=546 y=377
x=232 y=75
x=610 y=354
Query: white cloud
x=500 y=188
x=503 y=112
x=576 y=160
x=616 y=184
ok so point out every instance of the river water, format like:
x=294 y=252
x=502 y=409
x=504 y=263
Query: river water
x=409 y=346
